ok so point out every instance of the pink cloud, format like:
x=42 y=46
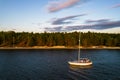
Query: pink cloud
x=56 y=6
x=115 y=6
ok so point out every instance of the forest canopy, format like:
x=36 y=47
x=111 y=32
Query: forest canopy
x=25 y=39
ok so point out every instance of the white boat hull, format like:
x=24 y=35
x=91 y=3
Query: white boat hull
x=76 y=63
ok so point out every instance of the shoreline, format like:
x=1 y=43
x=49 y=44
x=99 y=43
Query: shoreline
x=59 y=47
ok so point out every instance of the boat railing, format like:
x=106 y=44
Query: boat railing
x=84 y=60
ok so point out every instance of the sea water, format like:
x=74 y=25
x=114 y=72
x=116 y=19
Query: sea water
x=52 y=64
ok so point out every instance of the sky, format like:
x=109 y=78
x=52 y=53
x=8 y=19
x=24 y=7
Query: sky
x=60 y=15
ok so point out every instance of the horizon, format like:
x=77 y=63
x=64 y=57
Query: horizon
x=60 y=16
x=61 y=32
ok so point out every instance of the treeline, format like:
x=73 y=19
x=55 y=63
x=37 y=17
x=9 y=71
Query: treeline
x=25 y=39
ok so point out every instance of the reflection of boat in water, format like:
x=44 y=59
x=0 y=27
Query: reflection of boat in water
x=79 y=72
x=81 y=61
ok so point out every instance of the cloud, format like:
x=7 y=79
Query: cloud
x=116 y=6
x=97 y=21
x=65 y=20
x=59 y=5
x=97 y=26
x=55 y=29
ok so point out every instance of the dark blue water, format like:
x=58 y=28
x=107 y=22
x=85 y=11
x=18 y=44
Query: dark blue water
x=52 y=65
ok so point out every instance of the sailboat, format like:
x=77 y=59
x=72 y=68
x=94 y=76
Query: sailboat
x=80 y=61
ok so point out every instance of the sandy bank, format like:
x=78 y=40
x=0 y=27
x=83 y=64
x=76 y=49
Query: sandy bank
x=59 y=47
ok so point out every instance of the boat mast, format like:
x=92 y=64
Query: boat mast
x=79 y=48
